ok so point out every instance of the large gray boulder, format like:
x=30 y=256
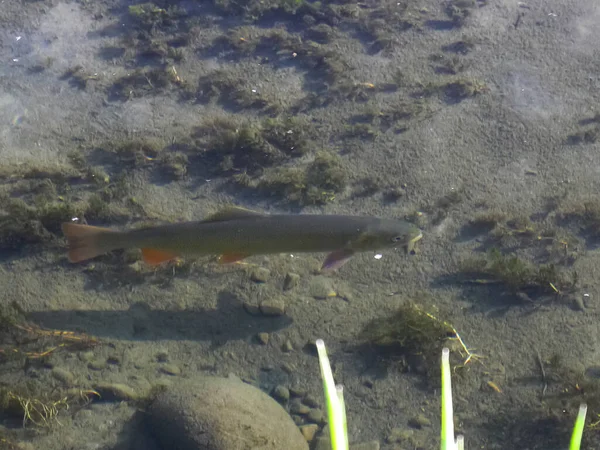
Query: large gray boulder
x=211 y=413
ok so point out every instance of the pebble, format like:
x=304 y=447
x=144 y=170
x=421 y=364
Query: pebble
x=291 y=281
x=170 y=369
x=64 y=376
x=281 y=393
x=115 y=391
x=287 y=346
x=311 y=401
x=296 y=407
x=272 y=307
x=316 y=416
x=321 y=288
x=260 y=275
x=309 y=431
x=263 y=338
x=419 y=421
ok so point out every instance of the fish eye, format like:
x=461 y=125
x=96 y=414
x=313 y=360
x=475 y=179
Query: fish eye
x=397 y=238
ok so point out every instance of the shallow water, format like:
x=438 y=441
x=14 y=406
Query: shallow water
x=478 y=122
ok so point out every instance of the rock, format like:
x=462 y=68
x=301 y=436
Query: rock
x=287 y=346
x=272 y=307
x=251 y=308
x=170 y=369
x=321 y=288
x=115 y=391
x=297 y=407
x=311 y=401
x=211 y=413
x=309 y=431
x=315 y=416
x=419 y=421
x=263 y=338
x=291 y=281
x=260 y=275
x=64 y=376
x=281 y=393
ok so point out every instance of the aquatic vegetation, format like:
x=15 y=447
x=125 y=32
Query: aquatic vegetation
x=519 y=275
x=310 y=184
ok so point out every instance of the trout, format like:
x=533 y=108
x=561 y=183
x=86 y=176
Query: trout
x=237 y=233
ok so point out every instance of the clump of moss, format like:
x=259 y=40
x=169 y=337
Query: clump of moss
x=142 y=82
x=488 y=220
x=312 y=184
x=234 y=91
x=454 y=91
x=148 y=16
x=247 y=146
x=174 y=164
x=459 y=10
x=519 y=275
x=585 y=214
x=137 y=152
x=410 y=332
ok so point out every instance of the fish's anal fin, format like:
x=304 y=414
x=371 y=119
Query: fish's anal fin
x=155 y=257
x=228 y=258
x=337 y=259
x=233 y=213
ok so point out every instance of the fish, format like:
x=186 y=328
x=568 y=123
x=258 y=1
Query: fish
x=237 y=233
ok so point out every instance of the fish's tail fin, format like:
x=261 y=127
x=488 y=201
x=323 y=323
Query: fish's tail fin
x=87 y=242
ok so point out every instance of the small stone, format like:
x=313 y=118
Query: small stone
x=287 y=346
x=115 y=391
x=291 y=281
x=281 y=393
x=296 y=407
x=260 y=275
x=288 y=368
x=419 y=421
x=297 y=392
x=263 y=338
x=170 y=369
x=251 y=308
x=321 y=288
x=272 y=307
x=97 y=364
x=316 y=416
x=311 y=401
x=309 y=431
x=64 y=376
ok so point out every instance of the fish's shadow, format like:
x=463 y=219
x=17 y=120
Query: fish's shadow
x=228 y=321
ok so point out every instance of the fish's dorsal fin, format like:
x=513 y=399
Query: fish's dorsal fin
x=233 y=213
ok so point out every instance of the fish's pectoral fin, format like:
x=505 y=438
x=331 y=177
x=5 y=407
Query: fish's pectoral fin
x=155 y=257
x=233 y=213
x=228 y=258
x=337 y=259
